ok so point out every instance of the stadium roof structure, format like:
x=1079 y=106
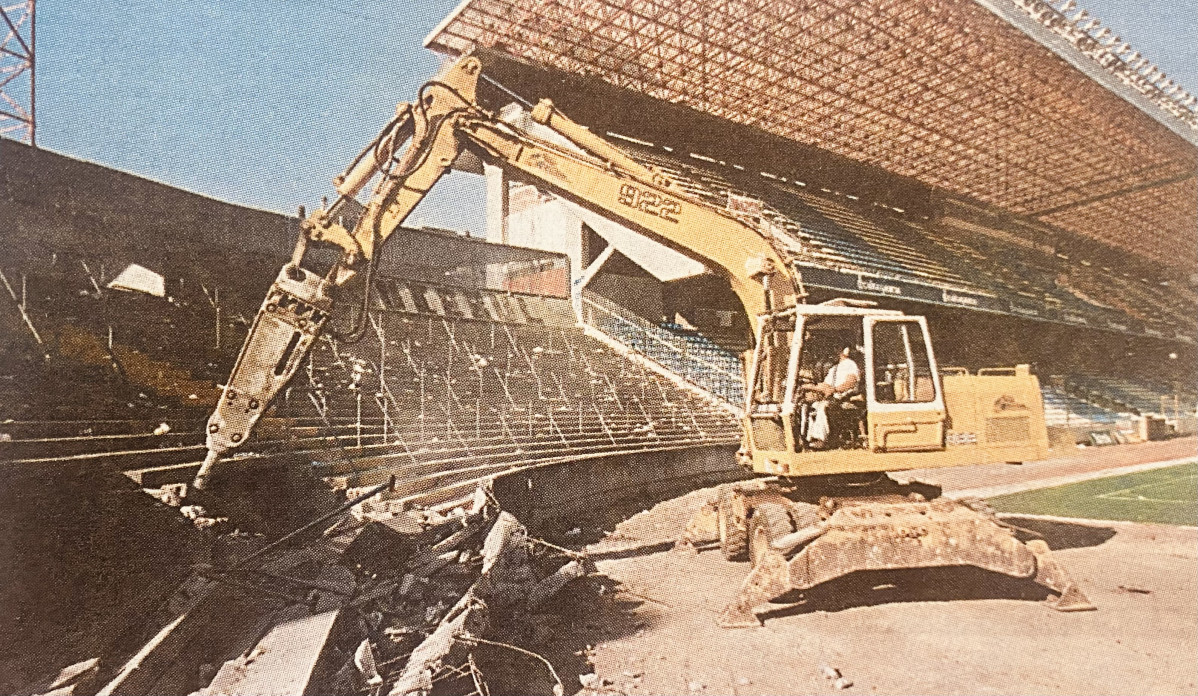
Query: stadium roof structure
x=1013 y=103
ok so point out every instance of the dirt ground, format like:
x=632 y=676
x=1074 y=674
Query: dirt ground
x=646 y=624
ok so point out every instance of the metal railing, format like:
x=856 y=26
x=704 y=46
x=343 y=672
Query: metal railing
x=690 y=356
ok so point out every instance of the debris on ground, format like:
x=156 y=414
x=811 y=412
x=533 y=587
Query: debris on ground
x=349 y=604
x=832 y=674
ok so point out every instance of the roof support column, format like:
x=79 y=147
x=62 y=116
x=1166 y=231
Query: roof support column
x=588 y=274
x=497 y=203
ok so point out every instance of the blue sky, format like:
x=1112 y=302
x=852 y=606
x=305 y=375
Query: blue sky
x=261 y=102
x=258 y=102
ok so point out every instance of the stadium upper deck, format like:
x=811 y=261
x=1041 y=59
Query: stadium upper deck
x=845 y=244
x=1021 y=105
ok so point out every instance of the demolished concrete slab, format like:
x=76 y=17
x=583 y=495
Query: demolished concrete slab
x=137 y=278
x=373 y=606
x=284 y=662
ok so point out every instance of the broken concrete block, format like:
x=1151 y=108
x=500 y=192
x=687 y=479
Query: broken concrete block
x=192 y=511
x=364 y=661
x=468 y=616
x=72 y=679
x=407 y=585
x=284 y=660
x=138 y=278
x=554 y=583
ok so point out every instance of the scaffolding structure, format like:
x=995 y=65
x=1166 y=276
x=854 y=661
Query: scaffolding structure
x=1025 y=105
x=18 y=104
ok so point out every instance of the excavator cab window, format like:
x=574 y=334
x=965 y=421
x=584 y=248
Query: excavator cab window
x=902 y=370
x=769 y=388
x=905 y=402
x=824 y=339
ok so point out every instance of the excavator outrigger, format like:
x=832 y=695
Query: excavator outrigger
x=828 y=508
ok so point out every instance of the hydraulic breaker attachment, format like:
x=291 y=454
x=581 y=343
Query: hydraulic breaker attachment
x=883 y=533
x=289 y=321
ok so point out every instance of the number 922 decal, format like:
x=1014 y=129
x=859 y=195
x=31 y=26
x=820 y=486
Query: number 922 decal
x=650 y=202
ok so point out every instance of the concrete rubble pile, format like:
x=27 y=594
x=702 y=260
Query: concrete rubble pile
x=381 y=604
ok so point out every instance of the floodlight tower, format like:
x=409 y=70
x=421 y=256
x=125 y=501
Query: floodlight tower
x=18 y=36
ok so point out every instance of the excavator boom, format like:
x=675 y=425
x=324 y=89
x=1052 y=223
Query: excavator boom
x=444 y=119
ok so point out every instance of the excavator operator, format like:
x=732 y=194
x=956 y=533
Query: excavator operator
x=829 y=400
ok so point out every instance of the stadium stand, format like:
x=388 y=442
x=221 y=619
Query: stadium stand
x=103 y=378
x=964 y=256
x=883 y=250
x=819 y=229
x=450 y=384
x=685 y=352
x=1062 y=409
x=1085 y=402
x=1138 y=396
x=431 y=388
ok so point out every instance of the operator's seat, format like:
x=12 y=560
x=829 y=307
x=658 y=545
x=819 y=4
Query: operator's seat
x=925 y=387
x=846 y=421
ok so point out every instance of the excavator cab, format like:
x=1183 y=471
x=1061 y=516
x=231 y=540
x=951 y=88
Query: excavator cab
x=869 y=375
x=903 y=388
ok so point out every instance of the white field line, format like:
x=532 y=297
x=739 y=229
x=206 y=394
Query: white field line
x=1125 y=493
x=1089 y=522
x=1054 y=481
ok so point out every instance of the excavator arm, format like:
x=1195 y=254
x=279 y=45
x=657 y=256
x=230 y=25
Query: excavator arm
x=444 y=119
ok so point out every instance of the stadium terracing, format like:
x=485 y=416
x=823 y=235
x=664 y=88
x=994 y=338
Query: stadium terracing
x=1001 y=155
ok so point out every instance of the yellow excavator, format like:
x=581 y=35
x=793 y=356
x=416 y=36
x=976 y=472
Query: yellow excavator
x=822 y=506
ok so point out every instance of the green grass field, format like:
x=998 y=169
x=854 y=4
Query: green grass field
x=1165 y=496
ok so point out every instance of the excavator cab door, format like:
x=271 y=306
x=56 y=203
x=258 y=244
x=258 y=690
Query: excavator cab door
x=905 y=411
